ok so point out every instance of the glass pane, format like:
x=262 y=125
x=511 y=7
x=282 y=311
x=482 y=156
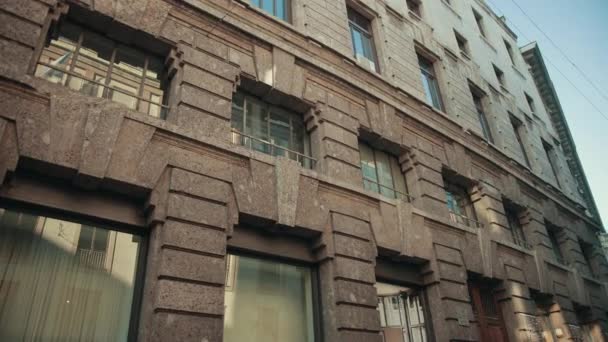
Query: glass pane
x=368 y=50
x=268 y=6
x=59 y=54
x=267 y=302
x=256 y=125
x=123 y=93
x=52 y=290
x=154 y=106
x=368 y=168
x=94 y=56
x=357 y=42
x=281 y=9
x=398 y=177
x=153 y=88
x=279 y=131
x=428 y=87
x=385 y=177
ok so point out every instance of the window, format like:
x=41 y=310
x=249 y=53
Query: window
x=530 y=102
x=48 y=283
x=500 y=76
x=459 y=205
x=401 y=313
x=415 y=7
x=553 y=232
x=463 y=44
x=510 y=51
x=278 y=8
x=487 y=311
x=96 y=65
x=267 y=301
x=269 y=129
x=587 y=251
x=517 y=231
x=479 y=21
x=429 y=83
x=382 y=173
x=517 y=126
x=481 y=115
x=550 y=153
x=363 y=41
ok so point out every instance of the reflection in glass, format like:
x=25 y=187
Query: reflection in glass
x=95 y=65
x=401 y=314
x=267 y=301
x=63 y=281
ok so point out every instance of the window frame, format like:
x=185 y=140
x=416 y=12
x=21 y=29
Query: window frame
x=352 y=14
x=510 y=51
x=550 y=153
x=463 y=44
x=482 y=117
x=428 y=73
x=142 y=254
x=517 y=230
x=531 y=104
x=552 y=234
x=416 y=7
x=421 y=295
x=287 y=8
x=516 y=124
x=500 y=77
x=69 y=72
x=398 y=194
x=317 y=313
x=455 y=190
x=304 y=157
x=480 y=22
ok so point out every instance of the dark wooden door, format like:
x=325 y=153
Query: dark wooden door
x=487 y=312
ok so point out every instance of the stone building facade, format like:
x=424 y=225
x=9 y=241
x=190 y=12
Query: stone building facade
x=246 y=158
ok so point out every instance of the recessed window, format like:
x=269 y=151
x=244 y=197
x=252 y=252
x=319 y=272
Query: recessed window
x=480 y=23
x=269 y=129
x=278 y=8
x=487 y=311
x=517 y=128
x=553 y=232
x=500 y=76
x=96 y=65
x=459 y=204
x=267 y=301
x=401 y=313
x=481 y=114
x=510 y=51
x=415 y=7
x=382 y=173
x=463 y=44
x=363 y=40
x=530 y=103
x=430 y=83
x=65 y=281
x=587 y=251
x=514 y=222
x=551 y=157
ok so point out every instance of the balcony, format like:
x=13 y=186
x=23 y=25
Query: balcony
x=90 y=258
x=267 y=147
x=464 y=220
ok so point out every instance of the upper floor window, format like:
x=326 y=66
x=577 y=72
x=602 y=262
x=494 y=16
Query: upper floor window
x=500 y=76
x=530 y=101
x=517 y=127
x=463 y=44
x=459 y=204
x=269 y=129
x=381 y=173
x=72 y=282
x=550 y=153
x=96 y=65
x=278 y=295
x=553 y=232
x=415 y=7
x=278 y=8
x=363 y=40
x=481 y=114
x=401 y=313
x=510 y=51
x=587 y=251
x=514 y=222
x=480 y=23
x=430 y=83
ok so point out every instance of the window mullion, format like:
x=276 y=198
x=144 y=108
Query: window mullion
x=75 y=57
x=142 y=83
x=106 y=90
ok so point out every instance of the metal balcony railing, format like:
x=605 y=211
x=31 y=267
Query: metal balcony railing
x=91 y=258
x=463 y=219
x=268 y=147
x=522 y=243
x=91 y=88
x=395 y=193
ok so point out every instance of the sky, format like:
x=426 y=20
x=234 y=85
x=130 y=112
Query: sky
x=580 y=29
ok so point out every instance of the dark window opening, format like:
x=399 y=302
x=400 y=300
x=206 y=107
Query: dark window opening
x=587 y=251
x=382 y=173
x=514 y=222
x=500 y=76
x=480 y=24
x=553 y=233
x=517 y=127
x=530 y=103
x=415 y=7
x=459 y=204
x=510 y=51
x=481 y=114
x=463 y=44
x=551 y=157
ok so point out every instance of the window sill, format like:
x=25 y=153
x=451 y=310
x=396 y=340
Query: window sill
x=415 y=16
x=451 y=9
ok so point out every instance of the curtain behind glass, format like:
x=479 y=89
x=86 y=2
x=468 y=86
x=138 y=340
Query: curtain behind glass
x=53 y=290
x=267 y=302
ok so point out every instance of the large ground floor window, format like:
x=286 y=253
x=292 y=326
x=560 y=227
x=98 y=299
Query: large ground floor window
x=64 y=281
x=401 y=314
x=267 y=301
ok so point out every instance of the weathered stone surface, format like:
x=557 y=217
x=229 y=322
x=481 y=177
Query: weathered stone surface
x=206 y=101
x=198 y=185
x=195 y=298
x=183 y=327
x=125 y=161
x=19 y=30
x=193 y=267
x=205 y=61
x=194 y=237
x=197 y=211
x=288 y=186
x=154 y=16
